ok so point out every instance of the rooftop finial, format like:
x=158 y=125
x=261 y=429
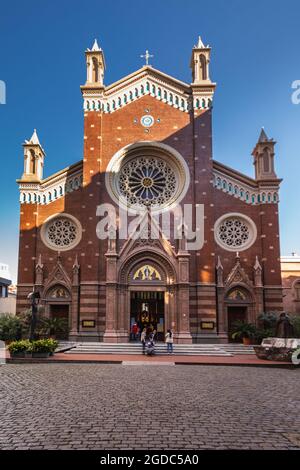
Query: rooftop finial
x=200 y=44
x=96 y=46
x=263 y=136
x=34 y=138
x=147 y=56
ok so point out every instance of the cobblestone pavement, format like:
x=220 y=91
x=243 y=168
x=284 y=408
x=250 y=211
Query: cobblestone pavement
x=91 y=406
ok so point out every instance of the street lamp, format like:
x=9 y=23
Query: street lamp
x=34 y=298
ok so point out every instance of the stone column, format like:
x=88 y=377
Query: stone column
x=122 y=329
x=111 y=335
x=183 y=334
x=74 y=307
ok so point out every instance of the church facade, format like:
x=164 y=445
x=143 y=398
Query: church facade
x=147 y=158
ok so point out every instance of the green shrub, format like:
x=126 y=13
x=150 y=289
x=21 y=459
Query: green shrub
x=44 y=345
x=262 y=333
x=268 y=320
x=243 y=330
x=10 y=327
x=21 y=346
x=295 y=319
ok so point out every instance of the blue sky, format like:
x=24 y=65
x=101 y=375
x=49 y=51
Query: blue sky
x=255 y=59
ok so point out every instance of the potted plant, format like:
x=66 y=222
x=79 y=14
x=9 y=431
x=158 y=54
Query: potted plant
x=42 y=348
x=19 y=348
x=55 y=327
x=244 y=331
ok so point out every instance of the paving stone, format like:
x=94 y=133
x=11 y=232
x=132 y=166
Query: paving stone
x=97 y=406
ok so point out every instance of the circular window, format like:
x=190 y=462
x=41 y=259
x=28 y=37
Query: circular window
x=147 y=175
x=61 y=232
x=147 y=181
x=147 y=121
x=235 y=232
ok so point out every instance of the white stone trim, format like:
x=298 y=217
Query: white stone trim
x=110 y=100
x=243 y=191
x=46 y=192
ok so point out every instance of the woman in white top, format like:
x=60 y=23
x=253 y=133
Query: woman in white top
x=169 y=341
x=143 y=339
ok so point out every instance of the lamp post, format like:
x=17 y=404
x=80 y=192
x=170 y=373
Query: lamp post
x=34 y=298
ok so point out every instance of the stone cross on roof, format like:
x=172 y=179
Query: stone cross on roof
x=146 y=56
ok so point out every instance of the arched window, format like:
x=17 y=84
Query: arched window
x=130 y=95
x=171 y=98
x=136 y=92
x=153 y=89
x=266 y=161
x=147 y=86
x=49 y=197
x=60 y=190
x=44 y=199
x=125 y=99
x=203 y=103
x=177 y=101
x=182 y=103
x=197 y=104
x=203 y=67
x=159 y=92
x=253 y=199
x=55 y=193
x=119 y=102
x=95 y=76
x=108 y=107
x=32 y=162
x=142 y=89
x=93 y=105
x=230 y=187
x=275 y=197
x=297 y=290
x=165 y=95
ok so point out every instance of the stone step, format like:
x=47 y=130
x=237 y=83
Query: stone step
x=160 y=348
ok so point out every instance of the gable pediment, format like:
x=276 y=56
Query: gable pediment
x=145 y=81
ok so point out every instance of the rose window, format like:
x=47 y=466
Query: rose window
x=147 y=181
x=235 y=233
x=61 y=233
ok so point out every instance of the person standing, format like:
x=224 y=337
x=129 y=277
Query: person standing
x=169 y=341
x=143 y=339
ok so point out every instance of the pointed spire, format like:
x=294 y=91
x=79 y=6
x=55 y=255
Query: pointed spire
x=34 y=140
x=257 y=264
x=39 y=263
x=76 y=263
x=200 y=44
x=96 y=46
x=263 y=136
x=219 y=264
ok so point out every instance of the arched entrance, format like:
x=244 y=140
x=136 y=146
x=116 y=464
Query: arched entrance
x=239 y=306
x=147 y=294
x=58 y=300
x=147 y=300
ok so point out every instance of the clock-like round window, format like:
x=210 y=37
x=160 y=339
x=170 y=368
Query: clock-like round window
x=147 y=175
x=235 y=232
x=61 y=232
x=147 y=181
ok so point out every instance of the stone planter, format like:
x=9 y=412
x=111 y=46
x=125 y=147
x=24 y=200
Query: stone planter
x=40 y=355
x=17 y=355
x=273 y=353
